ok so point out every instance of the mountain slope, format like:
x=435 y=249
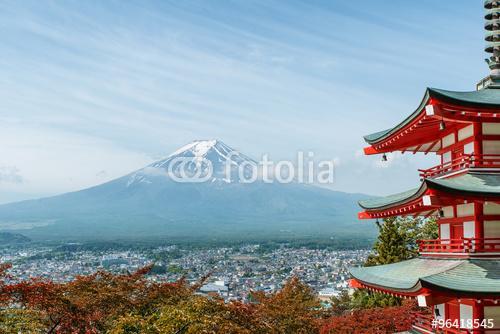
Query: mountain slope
x=148 y=203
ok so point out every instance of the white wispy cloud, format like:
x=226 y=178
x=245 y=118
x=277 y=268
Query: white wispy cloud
x=125 y=81
x=10 y=174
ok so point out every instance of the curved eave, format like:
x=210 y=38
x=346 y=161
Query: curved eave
x=392 y=201
x=453 y=277
x=359 y=284
x=402 y=277
x=381 y=135
x=484 y=99
x=472 y=185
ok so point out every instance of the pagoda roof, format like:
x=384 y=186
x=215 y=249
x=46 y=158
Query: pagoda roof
x=388 y=201
x=469 y=184
x=411 y=276
x=440 y=113
x=485 y=98
x=476 y=183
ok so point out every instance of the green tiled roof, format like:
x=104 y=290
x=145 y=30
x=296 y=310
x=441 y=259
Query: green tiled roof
x=374 y=136
x=475 y=276
x=380 y=202
x=474 y=183
x=403 y=275
x=487 y=98
x=470 y=276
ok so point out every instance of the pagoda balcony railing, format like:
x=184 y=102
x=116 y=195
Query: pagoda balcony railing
x=422 y=323
x=463 y=245
x=464 y=162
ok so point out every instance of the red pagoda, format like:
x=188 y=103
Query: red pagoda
x=457 y=276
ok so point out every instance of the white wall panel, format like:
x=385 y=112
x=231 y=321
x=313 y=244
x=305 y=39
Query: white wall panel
x=466 y=314
x=493 y=312
x=491 y=208
x=448 y=140
x=469 y=231
x=444 y=232
x=491 y=147
x=465 y=210
x=446 y=157
x=466 y=132
x=448 y=212
x=491 y=128
x=469 y=148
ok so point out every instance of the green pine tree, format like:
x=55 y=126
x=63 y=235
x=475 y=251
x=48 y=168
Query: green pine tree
x=397 y=241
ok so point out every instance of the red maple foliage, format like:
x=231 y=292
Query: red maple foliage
x=86 y=304
x=132 y=303
x=4 y=297
x=372 y=321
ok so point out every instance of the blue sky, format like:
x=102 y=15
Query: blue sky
x=91 y=90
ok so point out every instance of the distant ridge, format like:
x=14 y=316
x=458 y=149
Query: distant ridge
x=148 y=204
x=13 y=238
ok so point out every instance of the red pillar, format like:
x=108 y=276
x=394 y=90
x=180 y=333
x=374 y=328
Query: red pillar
x=479 y=219
x=478 y=140
x=478 y=313
x=478 y=207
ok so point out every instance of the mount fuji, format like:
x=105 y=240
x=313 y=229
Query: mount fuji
x=149 y=203
x=201 y=161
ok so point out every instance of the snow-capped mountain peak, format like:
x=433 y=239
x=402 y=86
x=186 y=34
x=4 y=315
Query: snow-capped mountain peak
x=213 y=150
x=199 y=157
x=198 y=147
